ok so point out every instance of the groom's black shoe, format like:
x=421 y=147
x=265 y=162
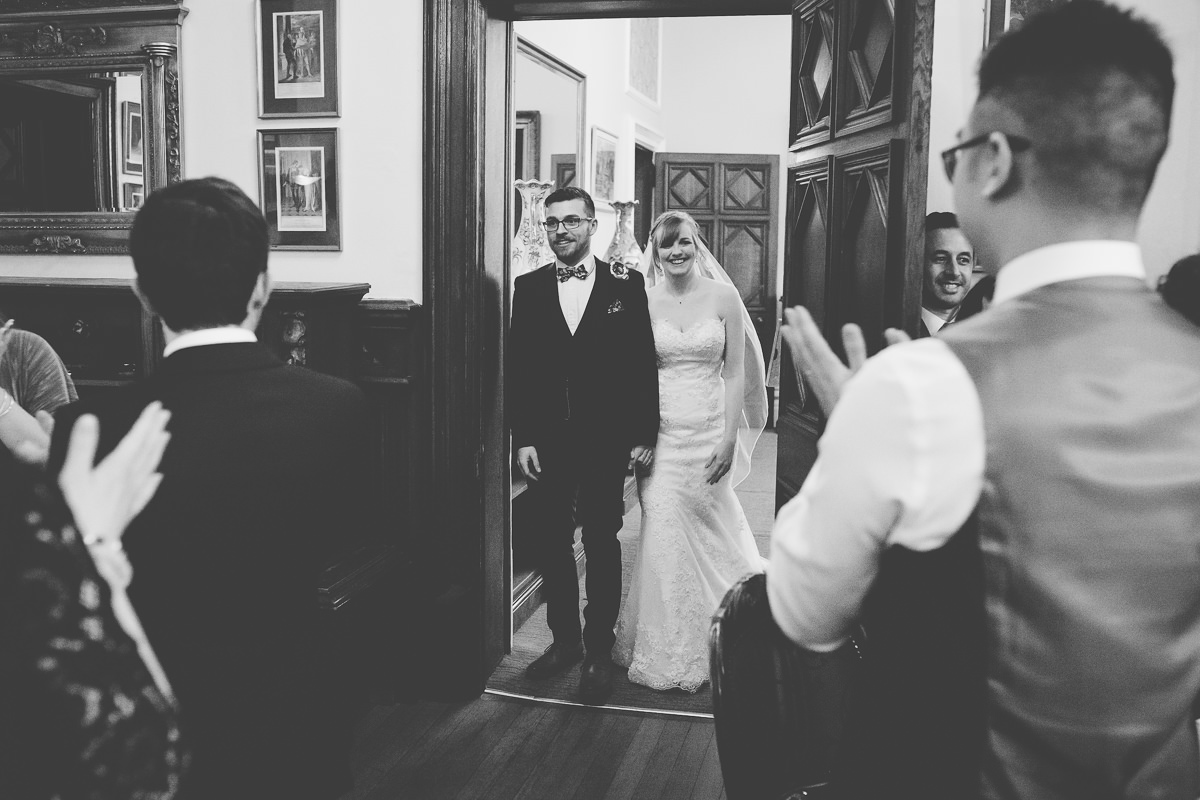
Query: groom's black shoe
x=556 y=658
x=596 y=680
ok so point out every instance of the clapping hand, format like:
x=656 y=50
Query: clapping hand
x=720 y=462
x=815 y=360
x=105 y=497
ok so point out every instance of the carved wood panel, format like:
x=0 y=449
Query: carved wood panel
x=689 y=187
x=866 y=64
x=744 y=188
x=745 y=244
x=857 y=190
x=857 y=294
x=814 y=43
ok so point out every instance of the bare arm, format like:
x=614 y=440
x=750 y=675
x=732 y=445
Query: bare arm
x=734 y=373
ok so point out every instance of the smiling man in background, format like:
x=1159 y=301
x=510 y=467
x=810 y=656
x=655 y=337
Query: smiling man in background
x=949 y=262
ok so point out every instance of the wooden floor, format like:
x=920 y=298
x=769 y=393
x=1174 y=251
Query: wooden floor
x=503 y=749
x=500 y=748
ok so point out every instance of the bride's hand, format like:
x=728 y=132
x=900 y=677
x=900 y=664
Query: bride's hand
x=719 y=462
x=641 y=457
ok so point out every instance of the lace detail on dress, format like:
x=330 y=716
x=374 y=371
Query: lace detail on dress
x=695 y=540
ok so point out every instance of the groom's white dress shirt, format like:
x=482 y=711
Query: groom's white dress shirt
x=574 y=293
x=901 y=461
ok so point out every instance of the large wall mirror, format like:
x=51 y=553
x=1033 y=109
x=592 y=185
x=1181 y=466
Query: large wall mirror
x=90 y=122
x=549 y=99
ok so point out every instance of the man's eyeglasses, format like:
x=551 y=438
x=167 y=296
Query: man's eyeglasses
x=950 y=157
x=570 y=223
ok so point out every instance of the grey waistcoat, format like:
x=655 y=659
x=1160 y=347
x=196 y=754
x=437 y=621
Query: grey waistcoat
x=1089 y=526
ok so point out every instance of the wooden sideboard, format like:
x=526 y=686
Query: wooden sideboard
x=106 y=339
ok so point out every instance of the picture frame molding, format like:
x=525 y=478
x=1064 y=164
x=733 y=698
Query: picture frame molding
x=331 y=237
x=329 y=105
x=600 y=134
x=129 y=110
x=630 y=88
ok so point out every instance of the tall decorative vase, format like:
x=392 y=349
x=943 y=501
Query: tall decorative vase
x=624 y=248
x=530 y=248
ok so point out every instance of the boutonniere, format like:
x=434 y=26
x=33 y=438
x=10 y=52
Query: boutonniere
x=619 y=271
x=615 y=307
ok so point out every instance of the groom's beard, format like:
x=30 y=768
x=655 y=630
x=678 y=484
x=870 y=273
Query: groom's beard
x=570 y=250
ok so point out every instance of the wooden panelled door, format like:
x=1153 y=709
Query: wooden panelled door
x=733 y=199
x=857 y=177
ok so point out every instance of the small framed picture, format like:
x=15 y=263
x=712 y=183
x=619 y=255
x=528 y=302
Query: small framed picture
x=297 y=58
x=604 y=164
x=298 y=188
x=132 y=195
x=131 y=137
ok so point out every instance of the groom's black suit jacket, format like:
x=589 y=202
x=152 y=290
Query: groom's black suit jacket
x=263 y=479
x=604 y=379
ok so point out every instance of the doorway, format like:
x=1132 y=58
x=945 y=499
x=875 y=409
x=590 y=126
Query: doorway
x=650 y=137
x=467 y=180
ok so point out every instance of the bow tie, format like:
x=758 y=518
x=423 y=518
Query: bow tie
x=577 y=271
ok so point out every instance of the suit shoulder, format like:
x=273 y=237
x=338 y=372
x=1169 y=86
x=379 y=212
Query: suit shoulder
x=529 y=278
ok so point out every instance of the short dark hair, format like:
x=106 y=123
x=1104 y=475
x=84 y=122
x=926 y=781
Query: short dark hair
x=568 y=193
x=940 y=220
x=1093 y=86
x=198 y=249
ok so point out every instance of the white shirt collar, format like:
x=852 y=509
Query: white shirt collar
x=588 y=262
x=1068 y=261
x=206 y=336
x=932 y=321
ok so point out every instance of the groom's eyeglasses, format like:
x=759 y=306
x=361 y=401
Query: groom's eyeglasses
x=570 y=223
x=950 y=156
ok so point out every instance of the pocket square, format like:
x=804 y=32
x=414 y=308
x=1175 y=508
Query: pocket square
x=615 y=307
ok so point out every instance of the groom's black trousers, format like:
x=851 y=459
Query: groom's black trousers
x=582 y=482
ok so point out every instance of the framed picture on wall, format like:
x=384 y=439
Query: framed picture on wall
x=132 y=195
x=297 y=58
x=1005 y=14
x=604 y=164
x=131 y=137
x=298 y=188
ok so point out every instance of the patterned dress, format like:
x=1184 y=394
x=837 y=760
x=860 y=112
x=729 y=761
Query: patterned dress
x=80 y=716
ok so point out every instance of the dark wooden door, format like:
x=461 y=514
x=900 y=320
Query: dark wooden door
x=734 y=200
x=856 y=191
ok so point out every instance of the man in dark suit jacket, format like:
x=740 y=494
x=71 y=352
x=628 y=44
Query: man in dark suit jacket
x=583 y=407
x=263 y=480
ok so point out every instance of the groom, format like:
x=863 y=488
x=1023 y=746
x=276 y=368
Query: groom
x=583 y=406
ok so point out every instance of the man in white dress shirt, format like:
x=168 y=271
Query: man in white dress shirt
x=1067 y=419
x=949 y=265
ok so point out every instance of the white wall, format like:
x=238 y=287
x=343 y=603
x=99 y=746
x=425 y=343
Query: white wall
x=724 y=90
x=1170 y=226
x=380 y=71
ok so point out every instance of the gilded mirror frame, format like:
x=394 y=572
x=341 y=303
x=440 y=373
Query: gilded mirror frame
x=43 y=38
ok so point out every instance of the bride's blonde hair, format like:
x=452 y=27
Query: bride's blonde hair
x=667 y=229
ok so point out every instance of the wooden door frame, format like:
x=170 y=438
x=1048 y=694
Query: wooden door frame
x=467 y=62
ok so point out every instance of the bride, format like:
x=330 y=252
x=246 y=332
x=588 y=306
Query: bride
x=695 y=540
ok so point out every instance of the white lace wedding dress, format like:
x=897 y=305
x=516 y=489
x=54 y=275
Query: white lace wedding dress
x=695 y=540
